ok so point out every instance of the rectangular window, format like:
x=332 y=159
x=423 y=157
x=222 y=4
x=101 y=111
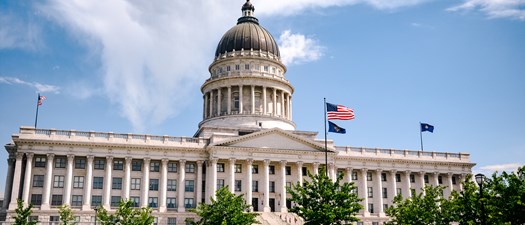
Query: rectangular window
x=398 y=191
x=135 y=184
x=255 y=169
x=237 y=67
x=453 y=180
x=220 y=183
x=153 y=184
x=38 y=180
x=76 y=200
x=383 y=176
x=54 y=219
x=99 y=164
x=189 y=203
x=153 y=202
x=78 y=182
x=304 y=171
x=238 y=185
x=60 y=162
x=385 y=193
x=289 y=184
x=271 y=169
x=36 y=199
x=255 y=186
x=190 y=167
x=412 y=178
x=354 y=175
x=371 y=208
x=98 y=182
x=172 y=167
x=33 y=219
x=398 y=177
x=154 y=166
x=238 y=168
x=117 y=183
x=228 y=68
x=265 y=68
x=440 y=180
x=171 y=203
x=58 y=181
x=136 y=165
x=80 y=163
x=288 y=170
x=135 y=200
x=40 y=161
x=220 y=167
x=118 y=164
x=115 y=201
x=189 y=186
x=272 y=186
x=370 y=192
x=56 y=200
x=96 y=200
x=369 y=176
x=425 y=177
x=385 y=206
x=247 y=66
x=172 y=185
x=172 y=220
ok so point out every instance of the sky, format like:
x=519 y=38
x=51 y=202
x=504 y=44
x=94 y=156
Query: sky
x=137 y=67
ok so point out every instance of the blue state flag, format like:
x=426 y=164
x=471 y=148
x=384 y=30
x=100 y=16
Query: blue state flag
x=332 y=127
x=427 y=127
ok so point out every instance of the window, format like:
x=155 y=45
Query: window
x=33 y=219
x=189 y=186
x=54 y=219
x=398 y=191
x=189 y=203
x=425 y=178
x=255 y=186
x=100 y=164
x=247 y=66
x=371 y=208
x=118 y=164
x=255 y=169
x=190 y=167
x=265 y=68
x=370 y=192
x=412 y=178
x=369 y=176
x=173 y=220
x=385 y=193
x=78 y=182
x=154 y=166
x=135 y=184
x=153 y=202
x=172 y=185
x=453 y=180
x=98 y=182
x=385 y=206
x=36 y=199
x=117 y=183
x=115 y=200
x=60 y=162
x=56 y=200
x=383 y=176
x=153 y=184
x=76 y=200
x=136 y=165
x=220 y=167
x=235 y=100
x=40 y=161
x=220 y=183
x=354 y=175
x=58 y=181
x=398 y=177
x=238 y=168
x=38 y=180
x=237 y=67
x=135 y=200
x=272 y=186
x=271 y=169
x=288 y=170
x=96 y=200
x=80 y=163
x=171 y=203
x=440 y=180
x=172 y=167
x=304 y=171
x=228 y=68
x=238 y=185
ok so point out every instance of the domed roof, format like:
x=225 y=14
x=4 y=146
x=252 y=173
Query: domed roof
x=247 y=35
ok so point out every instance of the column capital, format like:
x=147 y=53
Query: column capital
x=109 y=158
x=200 y=162
x=214 y=160
x=283 y=162
x=50 y=156
x=128 y=160
x=232 y=160
x=364 y=170
x=266 y=162
x=436 y=173
x=316 y=164
x=421 y=172
x=300 y=163
x=70 y=157
x=408 y=172
x=147 y=160
x=450 y=174
x=379 y=170
x=393 y=171
x=90 y=158
x=11 y=160
x=164 y=161
x=249 y=161
x=29 y=155
x=19 y=155
x=349 y=169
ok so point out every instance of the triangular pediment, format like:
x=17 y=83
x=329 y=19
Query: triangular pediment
x=273 y=139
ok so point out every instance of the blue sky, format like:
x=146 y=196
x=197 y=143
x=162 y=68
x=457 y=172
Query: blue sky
x=137 y=67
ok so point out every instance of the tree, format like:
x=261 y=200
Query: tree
x=466 y=203
x=227 y=208
x=22 y=213
x=422 y=209
x=126 y=214
x=66 y=215
x=322 y=201
x=506 y=197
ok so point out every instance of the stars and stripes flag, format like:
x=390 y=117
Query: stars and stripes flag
x=40 y=99
x=339 y=112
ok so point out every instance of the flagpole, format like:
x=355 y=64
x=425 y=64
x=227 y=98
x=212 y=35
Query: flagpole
x=421 y=135
x=36 y=116
x=325 y=141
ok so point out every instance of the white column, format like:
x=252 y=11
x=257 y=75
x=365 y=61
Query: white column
x=363 y=192
x=249 y=163
x=283 y=187
x=393 y=185
x=282 y=103
x=406 y=190
x=213 y=185
x=206 y=103
x=69 y=179
x=266 y=185
x=332 y=172
x=231 y=177
x=88 y=184
x=274 y=111
x=145 y=183
x=300 y=173
x=290 y=103
x=9 y=181
x=349 y=174
x=211 y=103
x=436 y=179
x=127 y=178
x=253 y=99
x=229 y=103
x=265 y=104
x=219 y=96
x=422 y=181
x=460 y=181
x=199 y=182
x=163 y=185
x=316 y=168
x=181 y=186
x=107 y=182
x=379 y=193
x=450 y=188
x=27 y=178
x=241 y=105
x=47 y=183
x=16 y=180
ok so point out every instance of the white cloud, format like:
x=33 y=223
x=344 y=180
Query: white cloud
x=514 y=9
x=16 y=32
x=41 y=88
x=297 y=48
x=488 y=170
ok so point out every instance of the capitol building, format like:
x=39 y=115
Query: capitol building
x=246 y=140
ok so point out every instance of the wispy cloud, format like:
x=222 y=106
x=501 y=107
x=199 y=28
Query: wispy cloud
x=19 y=33
x=488 y=170
x=514 y=9
x=41 y=88
x=297 y=48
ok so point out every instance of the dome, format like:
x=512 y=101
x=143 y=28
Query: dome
x=247 y=35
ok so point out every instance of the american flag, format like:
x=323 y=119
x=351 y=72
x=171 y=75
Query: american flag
x=40 y=99
x=339 y=112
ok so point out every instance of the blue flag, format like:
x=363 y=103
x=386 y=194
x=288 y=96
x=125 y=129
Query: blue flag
x=332 y=127
x=427 y=127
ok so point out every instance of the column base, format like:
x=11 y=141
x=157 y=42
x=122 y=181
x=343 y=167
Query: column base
x=13 y=205
x=284 y=209
x=382 y=214
x=267 y=209
x=45 y=207
x=86 y=208
x=181 y=209
x=366 y=214
x=162 y=209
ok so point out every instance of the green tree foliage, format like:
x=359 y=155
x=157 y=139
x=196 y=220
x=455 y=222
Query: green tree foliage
x=322 y=201
x=506 y=198
x=66 y=215
x=126 y=214
x=226 y=209
x=466 y=203
x=22 y=213
x=422 y=209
